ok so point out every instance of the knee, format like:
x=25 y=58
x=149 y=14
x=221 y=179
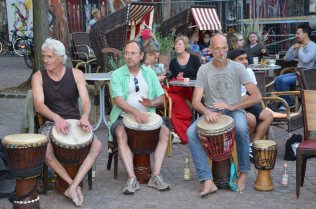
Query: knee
x=266 y=115
x=251 y=121
x=97 y=145
x=164 y=133
x=121 y=136
x=49 y=157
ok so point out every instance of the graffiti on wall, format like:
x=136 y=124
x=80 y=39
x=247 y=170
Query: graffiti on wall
x=20 y=14
x=3 y=17
x=74 y=16
x=58 y=20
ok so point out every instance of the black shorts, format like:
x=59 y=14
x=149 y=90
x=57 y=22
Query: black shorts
x=255 y=110
x=118 y=123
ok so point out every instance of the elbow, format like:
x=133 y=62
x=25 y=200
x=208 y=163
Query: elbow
x=259 y=98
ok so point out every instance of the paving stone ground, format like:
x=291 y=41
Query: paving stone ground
x=107 y=192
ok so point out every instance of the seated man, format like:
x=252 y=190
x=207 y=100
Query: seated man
x=253 y=113
x=136 y=89
x=96 y=16
x=56 y=90
x=220 y=81
x=305 y=51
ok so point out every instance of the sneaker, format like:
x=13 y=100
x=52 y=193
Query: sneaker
x=282 y=109
x=251 y=152
x=132 y=186
x=291 y=106
x=158 y=183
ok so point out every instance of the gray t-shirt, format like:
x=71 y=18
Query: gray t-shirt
x=222 y=84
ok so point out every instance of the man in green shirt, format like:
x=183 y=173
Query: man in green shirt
x=135 y=90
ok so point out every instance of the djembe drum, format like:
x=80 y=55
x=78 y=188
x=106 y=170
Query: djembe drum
x=25 y=154
x=217 y=139
x=264 y=155
x=142 y=140
x=70 y=150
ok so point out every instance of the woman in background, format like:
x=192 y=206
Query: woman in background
x=254 y=48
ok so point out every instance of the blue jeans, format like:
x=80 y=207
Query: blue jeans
x=241 y=139
x=283 y=83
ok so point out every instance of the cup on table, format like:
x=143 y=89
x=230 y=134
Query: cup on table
x=277 y=56
x=272 y=62
x=255 y=60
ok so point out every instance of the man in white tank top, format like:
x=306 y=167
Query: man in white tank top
x=136 y=89
x=54 y=57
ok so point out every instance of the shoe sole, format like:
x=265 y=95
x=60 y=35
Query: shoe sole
x=163 y=189
x=131 y=192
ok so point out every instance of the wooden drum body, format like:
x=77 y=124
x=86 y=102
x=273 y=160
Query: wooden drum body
x=70 y=150
x=265 y=152
x=142 y=140
x=25 y=154
x=217 y=139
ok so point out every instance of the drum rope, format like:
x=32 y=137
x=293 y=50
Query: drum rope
x=13 y=198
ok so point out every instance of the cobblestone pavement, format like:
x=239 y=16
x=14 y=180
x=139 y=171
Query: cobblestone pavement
x=107 y=192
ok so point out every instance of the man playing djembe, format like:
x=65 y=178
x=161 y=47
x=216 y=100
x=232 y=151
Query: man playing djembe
x=57 y=88
x=136 y=89
x=220 y=81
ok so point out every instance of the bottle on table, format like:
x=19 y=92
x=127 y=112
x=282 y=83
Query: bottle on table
x=285 y=175
x=94 y=172
x=186 y=169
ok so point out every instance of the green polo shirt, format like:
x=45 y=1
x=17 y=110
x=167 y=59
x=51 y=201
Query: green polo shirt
x=119 y=87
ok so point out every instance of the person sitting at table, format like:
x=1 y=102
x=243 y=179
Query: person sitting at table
x=232 y=43
x=220 y=80
x=240 y=44
x=55 y=90
x=181 y=114
x=147 y=39
x=136 y=90
x=254 y=113
x=254 y=48
x=204 y=47
x=305 y=51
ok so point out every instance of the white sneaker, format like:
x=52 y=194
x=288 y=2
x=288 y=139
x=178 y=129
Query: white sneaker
x=176 y=138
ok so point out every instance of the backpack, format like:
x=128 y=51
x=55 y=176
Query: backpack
x=289 y=153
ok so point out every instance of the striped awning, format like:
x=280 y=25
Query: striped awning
x=206 y=18
x=140 y=13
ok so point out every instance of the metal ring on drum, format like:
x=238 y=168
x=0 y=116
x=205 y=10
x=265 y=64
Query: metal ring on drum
x=25 y=154
x=70 y=150
x=142 y=140
x=217 y=139
x=265 y=152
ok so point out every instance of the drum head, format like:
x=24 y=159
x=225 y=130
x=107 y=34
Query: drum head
x=76 y=137
x=154 y=122
x=225 y=122
x=24 y=139
x=264 y=144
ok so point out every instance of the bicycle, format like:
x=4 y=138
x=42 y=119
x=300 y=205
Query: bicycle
x=20 y=44
x=29 y=56
x=16 y=45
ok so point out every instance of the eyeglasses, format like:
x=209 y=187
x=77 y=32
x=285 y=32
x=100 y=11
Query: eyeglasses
x=206 y=37
x=217 y=49
x=240 y=39
x=136 y=86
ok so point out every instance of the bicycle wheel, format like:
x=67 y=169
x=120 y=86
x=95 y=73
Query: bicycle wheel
x=3 y=48
x=20 y=46
x=29 y=60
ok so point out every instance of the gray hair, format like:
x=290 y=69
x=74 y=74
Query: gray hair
x=55 y=46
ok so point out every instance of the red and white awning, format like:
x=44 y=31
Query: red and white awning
x=141 y=13
x=206 y=18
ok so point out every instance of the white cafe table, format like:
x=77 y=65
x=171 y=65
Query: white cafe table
x=269 y=69
x=101 y=86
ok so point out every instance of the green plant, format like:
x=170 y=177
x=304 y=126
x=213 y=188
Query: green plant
x=115 y=64
x=166 y=43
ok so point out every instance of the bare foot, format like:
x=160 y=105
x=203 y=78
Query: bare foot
x=242 y=182
x=80 y=195
x=209 y=188
x=73 y=195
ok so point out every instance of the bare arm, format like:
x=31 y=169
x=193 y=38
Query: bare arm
x=41 y=108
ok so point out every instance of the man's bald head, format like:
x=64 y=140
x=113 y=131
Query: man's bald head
x=216 y=38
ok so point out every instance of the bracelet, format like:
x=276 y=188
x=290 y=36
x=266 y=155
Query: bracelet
x=27 y=202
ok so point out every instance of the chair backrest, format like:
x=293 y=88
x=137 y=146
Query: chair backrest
x=196 y=54
x=309 y=111
x=110 y=54
x=165 y=59
x=284 y=64
x=307 y=78
x=81 y=38
x=261 y=82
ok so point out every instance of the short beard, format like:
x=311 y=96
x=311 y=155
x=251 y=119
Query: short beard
x=221 y=60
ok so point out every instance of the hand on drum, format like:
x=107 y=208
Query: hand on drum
x=85 y=124
x=223 y=106
x=212 y=116
x=146 y=102
x=62 y=126
x=141 y=117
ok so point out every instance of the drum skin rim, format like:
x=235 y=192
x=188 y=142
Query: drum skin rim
x=10 y=144
x=228 y=126
x=216 y=133
x=59 y=144
x=140 y=127
x=259 y=144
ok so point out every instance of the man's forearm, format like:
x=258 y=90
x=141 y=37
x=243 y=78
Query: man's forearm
x=291 y=54
x=199 y=107
x=86 y=108
x=157 y=101
x=44 y=111
x=250 y=101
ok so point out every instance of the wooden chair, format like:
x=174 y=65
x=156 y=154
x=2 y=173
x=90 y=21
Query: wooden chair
x=196 y=54
x=308 y=147
x=306 y=77
x=113 y=146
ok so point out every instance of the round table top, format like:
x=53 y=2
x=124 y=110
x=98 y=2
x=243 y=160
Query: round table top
x=98 y=76
x=191 y=83
x=267 y=67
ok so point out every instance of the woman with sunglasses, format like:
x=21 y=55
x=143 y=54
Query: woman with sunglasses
x=181 y=114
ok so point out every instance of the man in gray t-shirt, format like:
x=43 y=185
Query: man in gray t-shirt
x=220 y=81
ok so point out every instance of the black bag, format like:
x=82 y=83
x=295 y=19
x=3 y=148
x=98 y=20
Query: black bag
x=289 y=154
